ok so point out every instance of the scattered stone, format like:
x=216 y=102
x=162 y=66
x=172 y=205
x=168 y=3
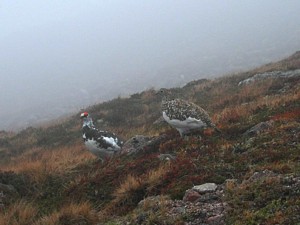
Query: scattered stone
x=135 y=144
x=215 y=220
x=201 y=206
x=203 y=188
x=141 y=143
x=259 y=128
x=191 y=195
x=166 y=157
x=260 y=175
x=208 y=197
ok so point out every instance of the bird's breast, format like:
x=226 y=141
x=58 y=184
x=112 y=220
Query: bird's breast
x=189 y=122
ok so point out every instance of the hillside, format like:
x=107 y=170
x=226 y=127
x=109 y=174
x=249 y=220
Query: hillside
x=251 y=171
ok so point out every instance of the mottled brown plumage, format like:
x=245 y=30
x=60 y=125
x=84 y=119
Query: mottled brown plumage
x=185 y=116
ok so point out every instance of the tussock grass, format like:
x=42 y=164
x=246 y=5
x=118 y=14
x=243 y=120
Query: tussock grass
x=235 y=113
x=19 y=213
x=127 y=188
x=73 y=213
x=38 y=162
x=132 y=190
x=132 y=184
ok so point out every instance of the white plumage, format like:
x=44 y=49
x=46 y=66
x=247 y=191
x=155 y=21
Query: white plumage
x=103 y=144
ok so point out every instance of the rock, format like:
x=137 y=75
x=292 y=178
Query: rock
x=208 y=197
x=215 y=220
x=191 y=195
x=204 y=188
x=261 y=175
x=135 y=144
x=258 y=128
x=166 y=157
x=139 y=143
x=211 y=210
x=274 y=74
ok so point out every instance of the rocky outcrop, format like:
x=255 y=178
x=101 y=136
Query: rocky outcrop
x=204 y=204
x=251 y=135
x=140 y=143
x=135 y=144
x=201 y=204
x=207 y=204
x=166 y=157
x=273 y=74
x=204 y=188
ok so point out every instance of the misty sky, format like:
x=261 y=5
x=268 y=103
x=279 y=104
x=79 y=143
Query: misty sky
x=59 y=55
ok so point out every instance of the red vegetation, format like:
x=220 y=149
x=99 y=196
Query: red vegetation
x=291 y=115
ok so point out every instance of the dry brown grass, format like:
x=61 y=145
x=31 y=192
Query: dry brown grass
x=234 y=113
x=157 y=209
x=241 y=95
x=155 y=176
x=130 y=184
x=149 y=181
x=132 y=190
x=37 y=162
x=73 y=213
x=20 y=213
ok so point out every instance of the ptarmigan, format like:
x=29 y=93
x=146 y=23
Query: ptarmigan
x=185 y=116
x=101 y=143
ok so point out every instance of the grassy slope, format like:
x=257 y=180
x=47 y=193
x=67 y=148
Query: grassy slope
x=58 y=180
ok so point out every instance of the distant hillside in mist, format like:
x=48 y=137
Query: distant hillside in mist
x=72 y=99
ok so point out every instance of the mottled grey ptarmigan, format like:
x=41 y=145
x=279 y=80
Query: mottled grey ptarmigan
x=103 y=144
x=185 y=116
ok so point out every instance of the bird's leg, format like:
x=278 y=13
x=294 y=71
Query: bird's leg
x=186 y=137
x=100 y=160
x=181 y=133
x=199 y=137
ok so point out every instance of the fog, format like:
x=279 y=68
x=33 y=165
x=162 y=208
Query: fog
x=59 y=56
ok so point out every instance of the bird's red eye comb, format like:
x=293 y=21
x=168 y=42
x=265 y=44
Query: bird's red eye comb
x=84 y=114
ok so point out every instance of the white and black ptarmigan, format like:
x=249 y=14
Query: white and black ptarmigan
x=185 y=116
x=101 y=143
